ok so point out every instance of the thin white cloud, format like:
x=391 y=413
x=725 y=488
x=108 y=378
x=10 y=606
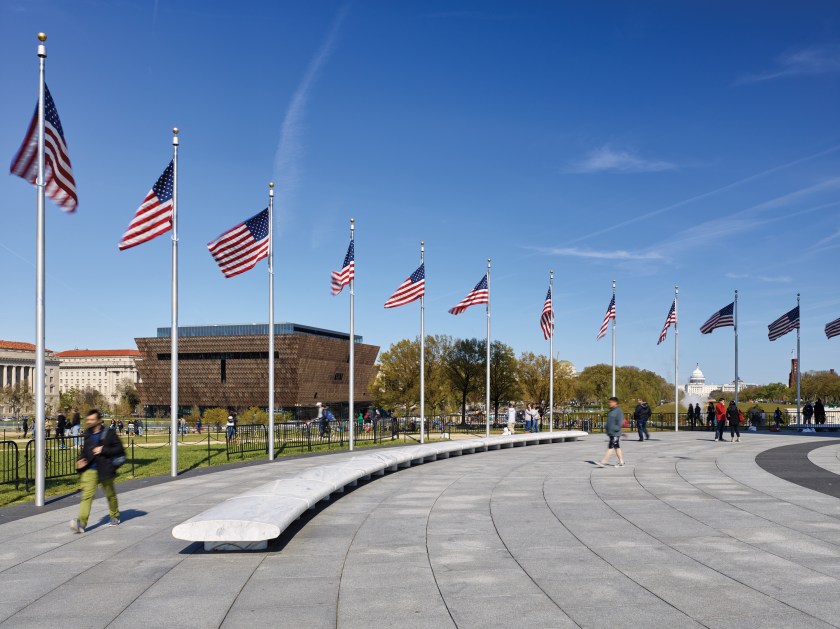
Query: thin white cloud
x=607 y=159
x=807 y=61
x=767 y=279
x=613 y=254
x=290 y=147
x=705 y=195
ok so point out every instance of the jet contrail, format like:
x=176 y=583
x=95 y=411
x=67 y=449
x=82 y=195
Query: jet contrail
x=705 y=195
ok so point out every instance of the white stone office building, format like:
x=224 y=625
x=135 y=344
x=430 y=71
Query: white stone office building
x=100 y=369
x=17 y=365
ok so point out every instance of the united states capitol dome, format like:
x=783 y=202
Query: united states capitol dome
x=697 y=376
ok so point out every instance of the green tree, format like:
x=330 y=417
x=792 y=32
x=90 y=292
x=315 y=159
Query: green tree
x=533 y=376
x=465 y=368
x=397 y=385
x=215 y=417
x=128 y=394
x=252 y=415
x=504 y=385
x=18 y=398
x=438 y=389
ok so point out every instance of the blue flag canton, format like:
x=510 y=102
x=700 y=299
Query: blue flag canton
x=163 y=187
x=482 y=285
x=258 y=225
x=351 y=252
x=729 y=310
x=50 y=112
x=419 y=274
x=548 y=295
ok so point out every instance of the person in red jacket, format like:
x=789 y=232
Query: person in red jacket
x=720 y=415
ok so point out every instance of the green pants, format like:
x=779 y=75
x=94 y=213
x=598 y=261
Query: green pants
x=88 y=482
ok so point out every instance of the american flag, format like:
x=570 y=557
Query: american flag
x=784 y=324
x=478 y=295
x=339 y=279
x=610 y=315
x=239 y=249
x=672 y=318
x=832 y=329
x=411 y=289
x=58 y=173
x=154 y=216
x=547 y=317
x=722 y=318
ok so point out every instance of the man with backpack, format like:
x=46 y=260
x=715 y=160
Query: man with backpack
x=102 y=453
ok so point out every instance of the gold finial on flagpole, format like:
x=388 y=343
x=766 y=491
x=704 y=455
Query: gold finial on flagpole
x=352 y=220
x=42 y=37
x=270 y=184
x=175 y=130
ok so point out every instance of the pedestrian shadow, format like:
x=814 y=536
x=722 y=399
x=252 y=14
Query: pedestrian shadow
x=125 y=516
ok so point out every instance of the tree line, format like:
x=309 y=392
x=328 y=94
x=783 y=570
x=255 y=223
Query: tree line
x=455 y=378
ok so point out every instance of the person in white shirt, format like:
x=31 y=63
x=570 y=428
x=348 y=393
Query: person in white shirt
x=511 y=417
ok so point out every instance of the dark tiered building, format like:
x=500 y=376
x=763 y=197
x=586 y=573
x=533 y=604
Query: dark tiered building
x=227 y=366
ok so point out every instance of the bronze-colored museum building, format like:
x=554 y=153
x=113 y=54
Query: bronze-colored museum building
x=227 y=366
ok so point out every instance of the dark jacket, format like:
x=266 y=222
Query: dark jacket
x=808 y=411
x=111 y=447
x=732 y=414
x=615 y=418
x=642 y=412
x=710 y=413
x=819 y=411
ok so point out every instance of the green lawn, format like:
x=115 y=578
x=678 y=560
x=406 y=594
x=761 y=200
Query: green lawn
x=152 y=458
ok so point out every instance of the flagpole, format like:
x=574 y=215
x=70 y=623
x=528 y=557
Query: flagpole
x=40 y=295
x=173 y=335
x=736 y=348
x=613 y=346
x=352 y=334
x=271 y=321
x=487 y=399
x=551 y=355
x=422 y=354
x=798 y=364
x=676 y=363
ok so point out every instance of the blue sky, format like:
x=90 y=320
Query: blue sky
x=657 y=143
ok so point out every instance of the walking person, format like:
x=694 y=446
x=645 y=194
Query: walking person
x=60 y=427
x=689 y=415
x=615 y=419
x=535 y=419
x=720 y=415
x=76 y=427
x=230 y=429
x=808 y=413
x=511 y=418
x=527 y=413
x=698 y=414
x=710 y=415
x=733 y=416
x=25 y=426
x=777 y=419
x=95 y=466
x=642 y=415
x=324 y=423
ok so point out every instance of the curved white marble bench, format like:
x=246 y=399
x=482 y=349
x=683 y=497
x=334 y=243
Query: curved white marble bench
x=250 y=520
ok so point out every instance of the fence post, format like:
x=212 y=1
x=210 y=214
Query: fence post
x=132 y=457
x=309 y=438
x=208 y=448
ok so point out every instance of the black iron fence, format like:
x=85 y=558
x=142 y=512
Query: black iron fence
x=246 y=438
x=60 y=455
x=9 y=463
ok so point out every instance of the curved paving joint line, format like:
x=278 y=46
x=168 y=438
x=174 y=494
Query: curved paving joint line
x=250 y=520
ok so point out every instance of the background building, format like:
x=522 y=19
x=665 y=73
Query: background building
x=227 y=366
x=697 y=385
x=17 y=366
x=101 y=369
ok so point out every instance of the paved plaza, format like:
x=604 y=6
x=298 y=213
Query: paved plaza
x=690 y=533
